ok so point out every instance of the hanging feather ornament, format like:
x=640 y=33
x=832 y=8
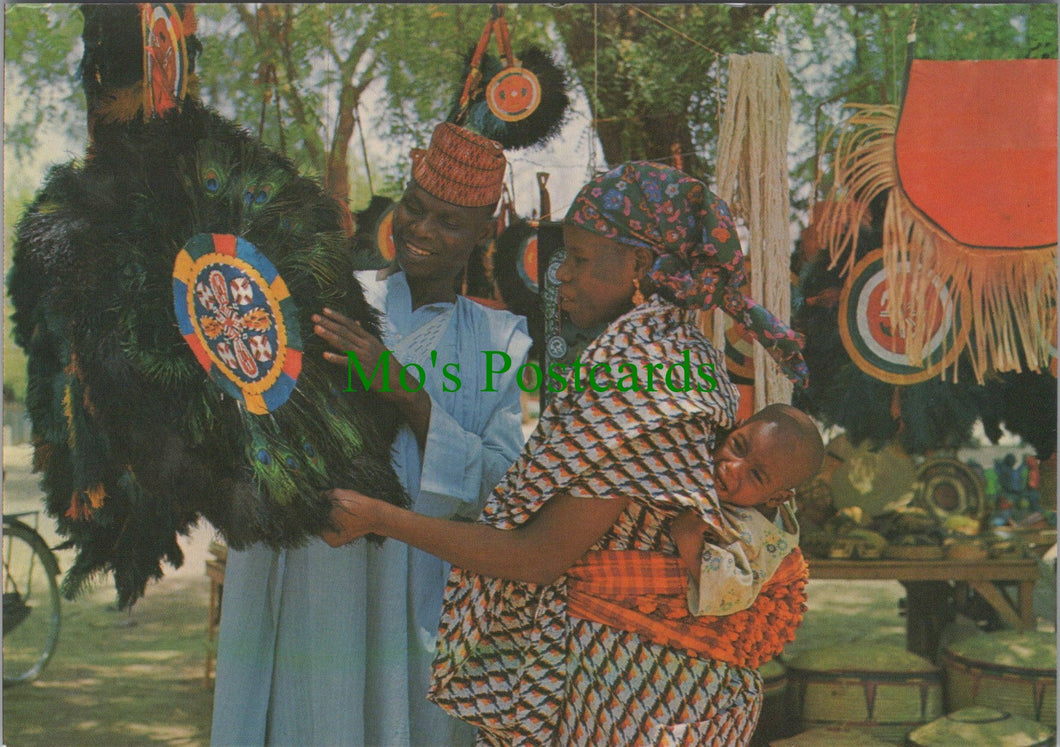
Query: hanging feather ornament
x=518 y=101
x=988 y=234
x=515 y=273
x=922 y=415
x=981 y=248
x=373 y=239
x=163 y=289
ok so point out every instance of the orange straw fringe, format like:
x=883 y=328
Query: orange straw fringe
x=1007 y=297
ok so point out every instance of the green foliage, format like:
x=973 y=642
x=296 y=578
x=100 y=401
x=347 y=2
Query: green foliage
x=1042 y=31
x=42 y=48
x=300 y=68
x=14 y=367
x=987 y=32
x=291 y=63
x=655 y=73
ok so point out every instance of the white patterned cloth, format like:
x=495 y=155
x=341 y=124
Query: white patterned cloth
x=745 y=554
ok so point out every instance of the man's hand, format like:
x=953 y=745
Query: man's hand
x=347 y=335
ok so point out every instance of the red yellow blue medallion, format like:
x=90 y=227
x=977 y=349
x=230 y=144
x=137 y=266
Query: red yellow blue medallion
x=165 y=56
x=239 y=319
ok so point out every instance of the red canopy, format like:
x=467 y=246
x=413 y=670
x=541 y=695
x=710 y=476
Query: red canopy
x=976 y=150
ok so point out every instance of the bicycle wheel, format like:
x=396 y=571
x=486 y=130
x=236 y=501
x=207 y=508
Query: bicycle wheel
x=31 y=603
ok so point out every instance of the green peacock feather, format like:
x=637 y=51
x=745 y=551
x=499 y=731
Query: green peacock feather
x=263 y=179
x=211 y=179
x=274 y=465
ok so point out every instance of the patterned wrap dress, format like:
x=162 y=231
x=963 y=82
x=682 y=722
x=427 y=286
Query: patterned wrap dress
x=511 y=659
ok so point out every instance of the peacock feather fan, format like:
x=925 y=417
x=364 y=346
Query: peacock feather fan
x=140 y=426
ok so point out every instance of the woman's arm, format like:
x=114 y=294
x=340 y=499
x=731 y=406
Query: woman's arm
x=539 y=551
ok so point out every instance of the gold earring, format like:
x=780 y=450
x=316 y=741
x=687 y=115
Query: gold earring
x=638 y=297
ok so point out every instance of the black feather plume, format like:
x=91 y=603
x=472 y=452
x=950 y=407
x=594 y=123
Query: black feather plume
x=134 y=439
x=367 y=254
x=536 y=129
x=518 y=290
x=933 y=414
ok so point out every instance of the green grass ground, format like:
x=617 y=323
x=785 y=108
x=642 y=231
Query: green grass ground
x=117 y=677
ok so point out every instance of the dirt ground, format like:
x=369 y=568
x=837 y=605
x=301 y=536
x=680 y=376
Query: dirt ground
x=137 y=678
x=117 y=677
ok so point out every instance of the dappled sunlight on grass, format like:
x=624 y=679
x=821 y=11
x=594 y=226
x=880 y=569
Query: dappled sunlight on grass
x=168 y=735
x=123 y=677
x=844 y=612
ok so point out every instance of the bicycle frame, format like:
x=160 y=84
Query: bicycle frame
x=31 y=606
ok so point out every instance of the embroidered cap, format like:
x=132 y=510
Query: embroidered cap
x=460 y=167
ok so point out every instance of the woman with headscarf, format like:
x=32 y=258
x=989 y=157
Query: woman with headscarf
x=607 y=469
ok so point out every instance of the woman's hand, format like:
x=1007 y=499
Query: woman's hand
x=354 y=514
x=378 y=364
x=687 y=531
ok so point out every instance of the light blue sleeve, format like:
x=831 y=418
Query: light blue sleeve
x=461 y=466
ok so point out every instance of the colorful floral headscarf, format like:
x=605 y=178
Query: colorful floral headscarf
x=698 y=262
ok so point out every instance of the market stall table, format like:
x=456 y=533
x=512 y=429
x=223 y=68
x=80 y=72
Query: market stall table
x=930 y=584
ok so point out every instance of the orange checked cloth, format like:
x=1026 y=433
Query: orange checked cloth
x=645 y=593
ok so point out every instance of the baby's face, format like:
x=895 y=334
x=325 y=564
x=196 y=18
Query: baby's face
x=754 y=466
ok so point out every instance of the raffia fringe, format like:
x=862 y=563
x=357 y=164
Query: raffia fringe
x=752 y=176
x=1006 y=296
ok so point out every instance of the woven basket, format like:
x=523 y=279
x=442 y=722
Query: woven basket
x=982 y=726
x=881 y=689
x=1007 y=670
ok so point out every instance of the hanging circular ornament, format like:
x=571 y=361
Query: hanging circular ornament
x=872 y=340
x=527 y=264
x=239 y=319
x=948 y=487
x=557 y=347
x=513 y=94
x=384 y=234
x=165 y=58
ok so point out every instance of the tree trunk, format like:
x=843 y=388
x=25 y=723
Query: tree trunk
x=660 y=137
x=337 y=171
